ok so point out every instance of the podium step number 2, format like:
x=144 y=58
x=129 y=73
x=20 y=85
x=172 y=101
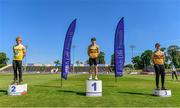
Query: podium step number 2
x=17 y=90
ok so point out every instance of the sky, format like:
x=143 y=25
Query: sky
x=43 y=24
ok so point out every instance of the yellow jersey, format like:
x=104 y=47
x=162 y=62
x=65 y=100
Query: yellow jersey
x=93 y=51
x=158 y=58
x=18 y=52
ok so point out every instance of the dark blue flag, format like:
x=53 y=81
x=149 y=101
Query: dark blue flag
x=66 y=59
x=119 y=50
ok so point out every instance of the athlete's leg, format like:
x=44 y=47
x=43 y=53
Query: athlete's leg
x=15 y=70
x=90 y=68
x=20 y=70
x=172 y=75
x=96 y=68
x=162 y=71
x=96 y=72
x=156 y=67
x=175 y=75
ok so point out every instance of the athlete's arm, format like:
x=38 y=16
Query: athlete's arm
x=88 y=51
x=24 y=52
x=152 y=58
x=98 y=50
x=163 y=57
x=13 y=50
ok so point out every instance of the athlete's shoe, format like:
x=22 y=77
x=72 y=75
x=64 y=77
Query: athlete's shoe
x=20 y=82
x=157 y=88
x=96 y=78
x=163 y=88
x=90 y=78
x=14 y=82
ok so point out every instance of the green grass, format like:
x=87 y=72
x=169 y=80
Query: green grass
x=129 y=91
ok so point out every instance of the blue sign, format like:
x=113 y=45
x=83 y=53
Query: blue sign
x=119 y=49
x=66 y=59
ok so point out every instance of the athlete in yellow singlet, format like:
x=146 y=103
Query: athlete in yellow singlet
x=158 y=59
x=19 y=53
x=93 y=53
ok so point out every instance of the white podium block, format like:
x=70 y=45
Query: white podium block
x=93 y=88
x=162 y=93
x=17 y=90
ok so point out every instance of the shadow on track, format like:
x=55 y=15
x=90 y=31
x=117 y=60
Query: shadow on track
x=133 y=93
x=3 y=91
x=47 y=86
x=65 y=91
x=70 y=91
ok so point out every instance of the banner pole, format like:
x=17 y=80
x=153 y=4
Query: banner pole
x=61 y=80
x=115 y=84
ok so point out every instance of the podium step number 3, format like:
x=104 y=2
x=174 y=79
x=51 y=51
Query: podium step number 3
x=162 y=93
x=93 y=88
x=17 y=90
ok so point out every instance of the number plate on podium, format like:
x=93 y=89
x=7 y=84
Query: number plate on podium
x=93 y=88
x=17 y=90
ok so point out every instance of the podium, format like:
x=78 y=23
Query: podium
x=162 y=93
x=17 y=90
x=93 y=88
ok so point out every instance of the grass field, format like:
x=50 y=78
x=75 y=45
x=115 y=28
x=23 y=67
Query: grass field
x=129 y=91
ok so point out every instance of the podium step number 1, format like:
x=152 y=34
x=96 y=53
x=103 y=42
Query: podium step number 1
x=17 y=90
x=93 y=88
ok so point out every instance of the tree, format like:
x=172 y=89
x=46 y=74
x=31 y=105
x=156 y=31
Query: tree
x=163 y=49
x=130 y=66
x=87 y=61
x=101 y=58
x=174 y=53
x=78 y=62
x=112 y=60
x=3 y=59
x=137 y=61
x=146 y=57
x=57 y=63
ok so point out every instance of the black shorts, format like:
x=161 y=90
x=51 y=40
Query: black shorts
x=159 y=69
x=93 y=61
